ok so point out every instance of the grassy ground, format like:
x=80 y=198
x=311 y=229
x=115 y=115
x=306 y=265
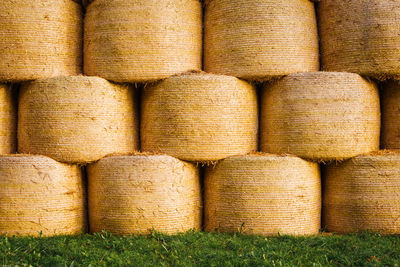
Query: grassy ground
x=202 y=249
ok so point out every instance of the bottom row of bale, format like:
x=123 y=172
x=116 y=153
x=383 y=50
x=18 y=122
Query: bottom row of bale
x=257 y=194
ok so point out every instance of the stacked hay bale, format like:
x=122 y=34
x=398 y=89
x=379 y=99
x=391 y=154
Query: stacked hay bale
x=361 y=37
x=200 y=117
x=77 y=119
x=194 y=116
x=40 y=39
x=320 y=116
x=8 y=123
x=271 y=38
x=362 y=194
x=263 y=194
x=140 y=193
x=40 y=196
x=132 y=40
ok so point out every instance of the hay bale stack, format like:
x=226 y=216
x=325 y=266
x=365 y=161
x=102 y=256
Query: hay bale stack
x=263 y=194
x=140 y=193
x=8 y=121
x=199 y=117
x=40 y=195
x=361 y=37
x=77 y=119
x=320 y=116
x=271 y=38
x=362 y=194
x=40 y=39
x=391 y=115
x=136 y=40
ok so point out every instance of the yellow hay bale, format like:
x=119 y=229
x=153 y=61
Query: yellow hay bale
x=8 y=126
x=320 y=116
x=40 y=195
x=40 y=39
x=362 y=194
x=200 y=117
x=77 y=119
x=263 y=194
x=136 y=40
x=391 y=115
x=260 y=39
x=361 y=37
x=139 y=193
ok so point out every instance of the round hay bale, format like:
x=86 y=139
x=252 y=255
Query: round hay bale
x=40 y=39
x=140 y=193
x=271 y=38
x=40 y=196
x=8 y=121
x=77 y=119
x=391 y=115
x=320 y=116
x=362 y=194
x=263 y=194
x=136 y=40
x=361 y=37
x=200 y=117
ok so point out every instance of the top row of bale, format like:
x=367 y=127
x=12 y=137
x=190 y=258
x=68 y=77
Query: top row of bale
x=136 y=41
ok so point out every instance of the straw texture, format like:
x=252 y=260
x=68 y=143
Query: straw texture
x=263 y=194
x=77 y=119
x=391 y=115
x=200 y=117
x=260 y=39
x=141 y=40
x=140 y=193
x=38 y=194
x=8 y=123
x=40 y=39
x=320 y=116
x=361 y=37
x=362 y=194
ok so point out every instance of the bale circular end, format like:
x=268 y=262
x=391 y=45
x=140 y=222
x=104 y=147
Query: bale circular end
x=361 y=37
x=263 y=194
x=362 y=194
x=40 y=196
x=40 y=39
x=271 y=38
x=200 y=117
x=136 y=194
x=77 y=119
x=320 y=116
x=134 y=41
x=8 y=123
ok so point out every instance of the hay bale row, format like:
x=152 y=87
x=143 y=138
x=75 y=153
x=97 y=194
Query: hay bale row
x=77 y=119
x=40 y=39
x=362 y=194
x=361 y=37
x=254 y=194
x=135 y=40
x=8 y=124
x=200 y=117
x=271 y=38
x=320 y=116
x=40 y=195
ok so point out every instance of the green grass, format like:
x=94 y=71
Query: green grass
x=202 y=249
